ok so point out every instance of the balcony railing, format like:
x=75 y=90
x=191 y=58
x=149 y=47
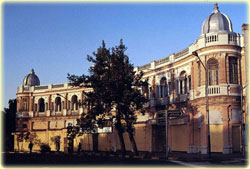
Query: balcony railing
x=58 y=113
x=22 y=114
x=147 y=66
x=213 y=90
x=41 y=114
x=41 y=87
x=74 y=112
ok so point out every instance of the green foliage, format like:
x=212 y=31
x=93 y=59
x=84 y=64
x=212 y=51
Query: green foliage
x=33 y=138
x=44 y=148
x=114 y=84
x=9 y=124
x=23 y=136
x=72 y=131
x=114 y=91
x=55 y=139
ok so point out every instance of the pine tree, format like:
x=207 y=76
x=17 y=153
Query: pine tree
x=115 y=91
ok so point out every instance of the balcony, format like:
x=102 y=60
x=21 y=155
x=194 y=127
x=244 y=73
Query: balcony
x=183 y=97
x=157 y=101
x=162 y=101
x=22 y=114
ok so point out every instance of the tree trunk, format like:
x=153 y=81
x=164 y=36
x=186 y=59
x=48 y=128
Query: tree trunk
x=133 y=143
x=122 y=143
x=120 y=134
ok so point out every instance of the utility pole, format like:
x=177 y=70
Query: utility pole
x=207 y=105
x=242 y=121
x=166 y=117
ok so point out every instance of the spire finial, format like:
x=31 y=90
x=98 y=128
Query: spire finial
x=32 y=71
x=216 y=8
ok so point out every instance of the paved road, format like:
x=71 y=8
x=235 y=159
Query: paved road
x=11 y=159
x=102 y=159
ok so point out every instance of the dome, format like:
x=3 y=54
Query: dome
x=31 y=79
x=216 y=22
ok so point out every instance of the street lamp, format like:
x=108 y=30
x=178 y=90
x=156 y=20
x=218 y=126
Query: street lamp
x=207 y=105
x=242 y=122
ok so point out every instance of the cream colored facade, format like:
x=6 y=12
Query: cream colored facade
x=177 y=83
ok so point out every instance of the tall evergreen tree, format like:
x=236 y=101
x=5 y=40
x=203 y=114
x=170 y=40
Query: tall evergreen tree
x=115 y=90
x=9 y=121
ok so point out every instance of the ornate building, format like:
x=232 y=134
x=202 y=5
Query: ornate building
x=177 y=85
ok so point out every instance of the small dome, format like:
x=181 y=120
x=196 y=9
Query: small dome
x=216 y=22
x=31 y=79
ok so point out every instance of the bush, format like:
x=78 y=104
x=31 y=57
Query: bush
x=44 y=148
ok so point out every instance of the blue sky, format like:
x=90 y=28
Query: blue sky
x=55 y=39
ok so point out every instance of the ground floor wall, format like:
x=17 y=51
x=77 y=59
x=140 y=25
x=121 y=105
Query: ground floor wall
x=89 y=142
x=187 y=133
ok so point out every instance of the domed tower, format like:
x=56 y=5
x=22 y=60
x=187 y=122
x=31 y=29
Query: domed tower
x=31 y=79
x=217 y=22
x=217 y=29
x=219 y=49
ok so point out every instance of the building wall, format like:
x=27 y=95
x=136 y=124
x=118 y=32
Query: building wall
x=176 y=83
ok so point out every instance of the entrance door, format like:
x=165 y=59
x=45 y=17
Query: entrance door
x=236 y=138
x=65 y=145
x=158 y=138
x=216 y=134
x=179 y=137
x=95 y=142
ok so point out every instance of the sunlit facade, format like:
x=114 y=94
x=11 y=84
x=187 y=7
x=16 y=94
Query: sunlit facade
x=177 y=85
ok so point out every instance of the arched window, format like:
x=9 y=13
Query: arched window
x=212 y=65
x=163 y=87
x=183 y=82
x=74 y=103
x=58 y=106
x=41 y=105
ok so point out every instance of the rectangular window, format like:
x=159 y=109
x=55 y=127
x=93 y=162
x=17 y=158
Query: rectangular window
x=210 y=78
x=199 y=75
x=181 y=81
x=185 y=86
x=189 y=81
x=157 y=91
x=24 y=126
x=235 y=114
x=166 y=90
x=233 y=70
x=170 y=88
x=216 y=77
x=177 y=86
x=25 y=104
x=150 y=93
x=161 y=91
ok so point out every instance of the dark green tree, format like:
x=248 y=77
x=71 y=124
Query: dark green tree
x=115 y=90
x=9 y=124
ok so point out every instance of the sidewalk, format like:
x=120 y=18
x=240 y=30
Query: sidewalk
x=204 y=157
